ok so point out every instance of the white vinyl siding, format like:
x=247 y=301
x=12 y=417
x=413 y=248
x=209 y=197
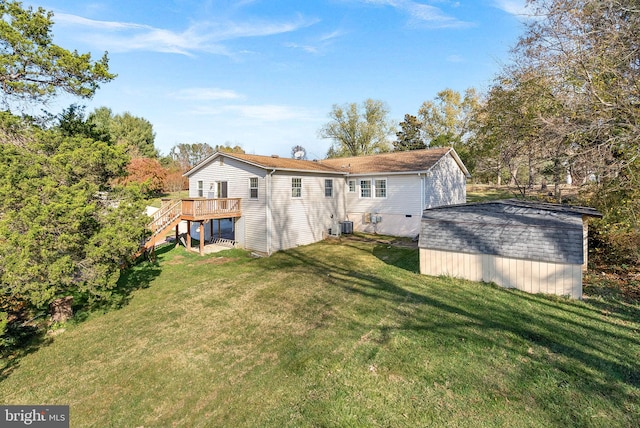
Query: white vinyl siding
x=302 y=221
x=328 y=188
x=250 y=229
x=445 y=184
x=296 y=187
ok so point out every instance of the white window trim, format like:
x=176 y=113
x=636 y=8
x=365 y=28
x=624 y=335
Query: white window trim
x=296 y=178
x=386 y=188
x=200 y=188
x=360 y=189
x=257 y=187
x=327 y=180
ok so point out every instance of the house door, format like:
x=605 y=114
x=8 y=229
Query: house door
x=222 y=189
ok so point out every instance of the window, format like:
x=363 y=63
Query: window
x=352 y=186
x=381 y=188
x=200 y=188
x=296 y=187
x=365 y=188
x=328 y=188
x=253 y=187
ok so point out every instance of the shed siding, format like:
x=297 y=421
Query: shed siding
x=445 y=184
x=305 y=220
x=526 y=275
x=251 y=230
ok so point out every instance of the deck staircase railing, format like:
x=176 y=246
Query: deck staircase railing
x=165 y=217
x=195 y=209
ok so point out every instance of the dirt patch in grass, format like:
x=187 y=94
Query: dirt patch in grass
x=176 y=260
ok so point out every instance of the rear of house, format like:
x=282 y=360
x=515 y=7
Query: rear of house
x=289 y=202
x=285 y=202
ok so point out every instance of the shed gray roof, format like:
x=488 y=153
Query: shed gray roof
x=508 y=228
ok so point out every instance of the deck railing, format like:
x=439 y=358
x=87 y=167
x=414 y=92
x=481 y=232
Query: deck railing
x=202 y=208
x=169 y=212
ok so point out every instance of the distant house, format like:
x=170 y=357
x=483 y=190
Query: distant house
x=531 y=246
x=288 y=202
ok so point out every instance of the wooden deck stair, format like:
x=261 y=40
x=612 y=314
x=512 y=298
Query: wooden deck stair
x=173 y=212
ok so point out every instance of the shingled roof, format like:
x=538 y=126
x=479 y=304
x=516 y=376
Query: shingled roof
x=408 y=161
x=508 y=228
x=285 y=163
x=394 y=162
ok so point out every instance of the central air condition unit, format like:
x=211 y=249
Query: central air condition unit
x=334 y=230
x=346 y=227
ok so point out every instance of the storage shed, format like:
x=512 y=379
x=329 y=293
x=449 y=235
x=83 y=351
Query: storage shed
x=532 y=246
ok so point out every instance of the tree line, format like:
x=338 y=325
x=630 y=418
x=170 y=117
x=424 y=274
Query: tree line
x=566 y=109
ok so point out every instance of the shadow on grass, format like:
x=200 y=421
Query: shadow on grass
x=28 y=339
x=137 y=277
x=403 y=258
x=570 y=342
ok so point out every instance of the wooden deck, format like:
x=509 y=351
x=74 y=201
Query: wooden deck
x=197 y=209
x=173 y=211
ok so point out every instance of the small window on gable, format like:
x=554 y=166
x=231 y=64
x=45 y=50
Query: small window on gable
x=200 y=188
x=352 y=186
x=328 y=188
x=365 y=188
x=381 y=188
x=253 y=188
x=296 y=187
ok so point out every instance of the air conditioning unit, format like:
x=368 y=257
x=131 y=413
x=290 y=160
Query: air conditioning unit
x=335 y=230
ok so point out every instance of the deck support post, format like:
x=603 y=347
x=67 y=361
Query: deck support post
x=211 y=229
x=202 y=238
x=219 y=229
x=188 y=234
x=177 y=235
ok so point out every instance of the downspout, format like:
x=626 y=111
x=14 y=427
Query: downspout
x=423 y=178
x=268 y=214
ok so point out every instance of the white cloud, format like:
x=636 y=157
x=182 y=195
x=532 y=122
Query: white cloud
x=423 y=14
x=517 y=8
x=199 y=37
x=318 y=45
x=206 y=94
x=265 y=112
x=455 y=58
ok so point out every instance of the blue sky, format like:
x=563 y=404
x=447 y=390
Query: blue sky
x=264 y=74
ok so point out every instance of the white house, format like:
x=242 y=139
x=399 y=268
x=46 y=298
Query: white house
x=289 y=202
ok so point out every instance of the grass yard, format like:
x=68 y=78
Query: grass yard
x=335 y=334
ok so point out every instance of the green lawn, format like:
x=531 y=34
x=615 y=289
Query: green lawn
x=335 y=334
